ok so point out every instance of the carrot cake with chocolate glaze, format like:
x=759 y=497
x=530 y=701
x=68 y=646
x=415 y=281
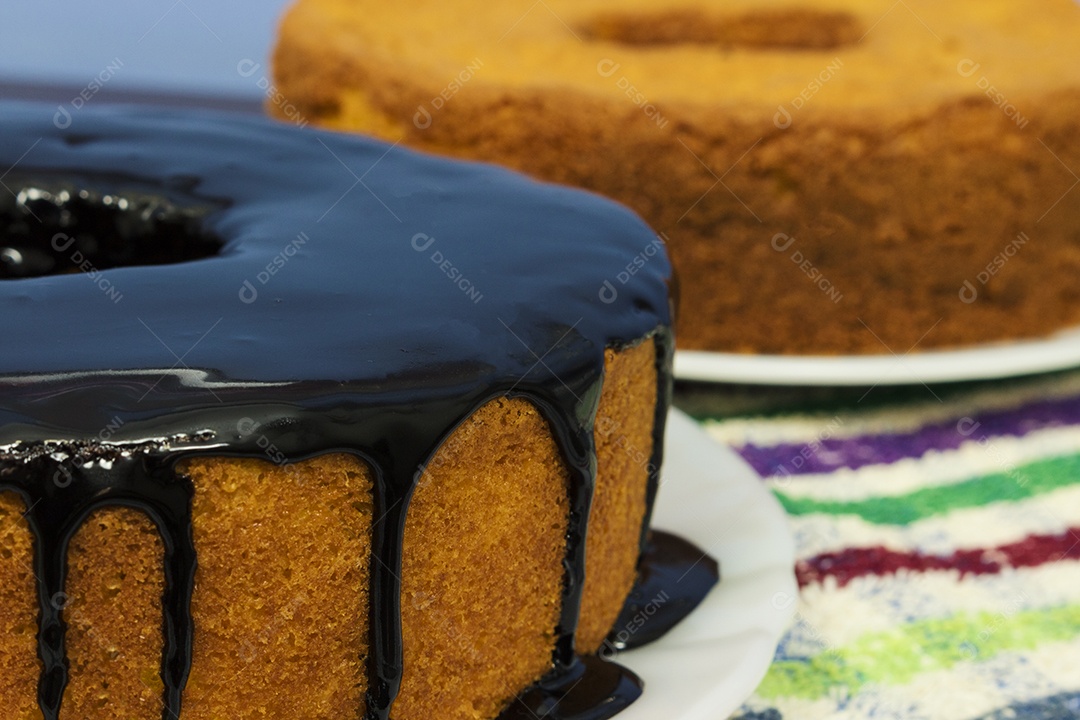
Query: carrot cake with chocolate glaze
x=262 y=454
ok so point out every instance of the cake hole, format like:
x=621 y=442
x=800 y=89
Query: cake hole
x=57 y=229
x=771 y=29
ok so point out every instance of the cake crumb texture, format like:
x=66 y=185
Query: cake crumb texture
x=832 y=176
x=281 y=603
x=624 y=447
x=482 y=575
x=281 y=595
x=19 y=665
x=112 y=606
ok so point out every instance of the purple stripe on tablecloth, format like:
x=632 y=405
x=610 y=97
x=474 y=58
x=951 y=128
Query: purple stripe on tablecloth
x=829 y=454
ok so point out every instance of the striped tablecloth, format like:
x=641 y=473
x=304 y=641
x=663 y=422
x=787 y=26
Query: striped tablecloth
x=938 y=536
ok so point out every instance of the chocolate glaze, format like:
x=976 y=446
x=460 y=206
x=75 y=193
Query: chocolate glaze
x=674 y=576
x=589 y=689
x=362 y=299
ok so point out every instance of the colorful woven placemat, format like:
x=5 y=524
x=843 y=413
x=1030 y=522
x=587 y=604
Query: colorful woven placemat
x=938 y=536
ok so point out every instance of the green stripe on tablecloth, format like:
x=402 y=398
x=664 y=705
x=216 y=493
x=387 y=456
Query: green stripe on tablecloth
x=1018 y=484
x=894 y=657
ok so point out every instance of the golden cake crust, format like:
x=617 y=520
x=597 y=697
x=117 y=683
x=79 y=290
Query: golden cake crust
x=482 y=572
x=892 y=178
x=624 y=451
x=19 y=668
x=112 y=606
x=282 y=588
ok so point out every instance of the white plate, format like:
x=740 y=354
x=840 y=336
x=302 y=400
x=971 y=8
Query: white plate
x=714 y=659
x=984 y=362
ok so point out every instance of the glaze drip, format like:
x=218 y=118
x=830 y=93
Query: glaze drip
x=325 y=320
x=588 y=689
x=674 y=576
